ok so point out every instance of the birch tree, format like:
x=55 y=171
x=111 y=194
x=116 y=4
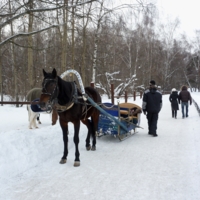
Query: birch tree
x=96 y=39
x=168 y=34
x=64 y=36
x=85 y=22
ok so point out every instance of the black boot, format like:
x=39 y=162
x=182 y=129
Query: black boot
x=172 y=114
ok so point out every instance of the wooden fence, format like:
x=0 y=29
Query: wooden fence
x=125 y=95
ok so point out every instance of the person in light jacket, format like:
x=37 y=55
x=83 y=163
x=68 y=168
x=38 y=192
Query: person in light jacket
x=173 y=98
x=151 y=106
x=184 y=98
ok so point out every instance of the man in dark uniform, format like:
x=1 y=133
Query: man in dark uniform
x=151 y=106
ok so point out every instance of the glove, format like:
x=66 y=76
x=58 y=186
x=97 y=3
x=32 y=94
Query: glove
x=145 y=112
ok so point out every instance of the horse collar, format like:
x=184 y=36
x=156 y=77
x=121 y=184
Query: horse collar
x=73 y=99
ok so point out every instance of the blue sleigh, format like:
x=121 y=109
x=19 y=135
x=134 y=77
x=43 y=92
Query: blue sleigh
x=127 y=119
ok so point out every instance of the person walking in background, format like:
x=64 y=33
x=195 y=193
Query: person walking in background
x=151 y=106
x=173 y=98
x=184 y=96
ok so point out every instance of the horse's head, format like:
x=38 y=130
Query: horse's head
x=49 y=90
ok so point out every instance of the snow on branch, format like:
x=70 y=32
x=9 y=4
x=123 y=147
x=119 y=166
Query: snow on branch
x=118 y=91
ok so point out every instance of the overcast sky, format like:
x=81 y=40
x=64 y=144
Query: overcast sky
x=187 y=12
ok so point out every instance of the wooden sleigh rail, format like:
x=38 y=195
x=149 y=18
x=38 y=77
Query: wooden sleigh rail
x=18 y=102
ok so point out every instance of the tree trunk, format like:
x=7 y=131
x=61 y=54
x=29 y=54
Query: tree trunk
x=72 y=24
x=96 y=41
x=64 y=38
x=13 y=61
x=1 y=71
x=30 y=45
x=85 y=23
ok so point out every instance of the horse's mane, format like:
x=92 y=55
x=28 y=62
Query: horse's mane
x=65 y=89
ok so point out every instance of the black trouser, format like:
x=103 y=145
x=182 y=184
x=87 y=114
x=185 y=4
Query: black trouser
x=174 y=113
x=152 y=122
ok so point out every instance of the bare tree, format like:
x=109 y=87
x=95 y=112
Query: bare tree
x=85 y=22
x=1 y=77
x=168 y=33
x=64 y=36
x=13 y=62
x=196 y=59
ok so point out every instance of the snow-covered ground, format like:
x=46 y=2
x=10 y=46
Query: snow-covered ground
x=142 y=167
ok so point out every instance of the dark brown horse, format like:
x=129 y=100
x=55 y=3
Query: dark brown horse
x=71 y=107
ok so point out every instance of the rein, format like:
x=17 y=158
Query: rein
x=51 y=101
x=61 y=108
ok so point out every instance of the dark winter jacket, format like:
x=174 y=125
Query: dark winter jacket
x=152 y=101
x=173 y=98
x=184 y=95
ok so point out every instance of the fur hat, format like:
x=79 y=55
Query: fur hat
x=174 y=89
x=152 y=82
x=184 y=87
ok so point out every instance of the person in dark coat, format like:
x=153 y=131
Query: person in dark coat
x=173 y=98
x=151 y=106
x=184 y=98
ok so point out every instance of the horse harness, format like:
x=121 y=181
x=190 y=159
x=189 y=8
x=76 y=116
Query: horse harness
x=74 y=99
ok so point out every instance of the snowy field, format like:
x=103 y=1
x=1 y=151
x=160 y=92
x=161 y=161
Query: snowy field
x=142 y=167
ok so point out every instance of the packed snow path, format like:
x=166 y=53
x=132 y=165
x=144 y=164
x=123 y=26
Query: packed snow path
x=139 y=168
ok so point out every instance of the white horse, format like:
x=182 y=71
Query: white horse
x=34 y=111
x=32 y=117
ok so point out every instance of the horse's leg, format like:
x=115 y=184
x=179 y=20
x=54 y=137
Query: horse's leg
x=93 y=131
x=64 y=127
x=34 y=119
x=29 y=116
x=31 y=121
x=54 y=117
x=38 y=118
x=29 y=112
x=76 y=142
x=87 y=122
x=94 y=124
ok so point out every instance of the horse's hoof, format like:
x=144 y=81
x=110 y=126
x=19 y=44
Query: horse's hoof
x=63 y=161
x=76 y=163
x=93 y=148
x=88 y=148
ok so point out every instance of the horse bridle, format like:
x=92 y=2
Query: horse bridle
x=53 y=96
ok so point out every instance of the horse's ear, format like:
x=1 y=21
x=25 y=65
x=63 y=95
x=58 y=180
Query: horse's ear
x=54 y=73
x=44 y=73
